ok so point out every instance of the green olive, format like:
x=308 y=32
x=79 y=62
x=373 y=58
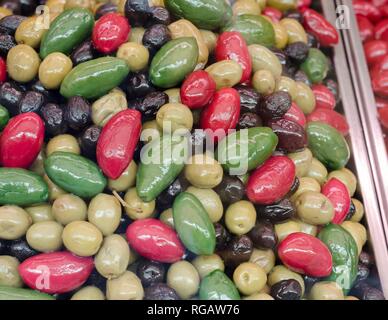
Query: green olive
x=174 y=95
x=136 y=208
x=305 y=97
x=40 y=213
x=310 y=229
x=126 y=287
x=210 y=39
x=288 y=85
x=107 y=106
x=82 y=238
x=136 y=55
x=86 y=4
x=249 y=278
x=246 y=7
x=126 y=180
x=281 y=35
x=302 y=161
x=314 y=208
x=326 y=290
x=173 y=116
x=284 y=229
x=264 y=59
x=225 y=73
x=167 y=218
x=14 y=222
x=203 y=171
x=54 y=191
x=30 y=32
x=22 y=63
x=136 y=35
x=183 y=278
x=282 y=5
x=295 y=30
x=317 y=171
x=358 y=232
x=263 y=258
x=54 y=69
x=45 y=236
x=359 y=214
x=68 y=208
x=112 y=259
x=240 y=217
x=280 y=273
x=264 y=82
x=306 y=184
x=346 y=177
x=9 y=275
x=38 y=164
x=207 y=264
x=105 y=213
x=210 y=200
x=88 y=293
x=64 y=143
x=259 y=296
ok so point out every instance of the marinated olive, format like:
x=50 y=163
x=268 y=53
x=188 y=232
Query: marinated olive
x=68 y=208
x=77 y=113
x=45 y=236
x=286 y=290
x=222 y=236
x=126 y=287
x=10 y=96
x=249 y=120
x=155 y=37
x=40 y=213
x=263 y=258
x=225 y=73
x=249 y=98
x=264 y=82
x=280 y=273
x=104 y=212
x=22 y=63
x=126 y=180
x=54 y=191
x=314 y=208
x=31 y=102
x=174 y=116
x=107 y=106
x=306 y=184
x=84 y=52
x=64 y=143
x=137 y=208
x=150 y=272
x=183 y=278
x=358 y=215
x=317 y=171
x=238 y=250
x=54 y=119
x=88 y=141
x=230 y=190
x=14 y=222
x=346 y=177
x=9 y=275
x=30 y=32
x=54 y=69
x=160 y=291
x=249 y=278
x=207 y=264
x=282 y=230
x=210 y=201
x=240 y=217
x=275 y=105
x=326 y=290
x=263 y=235
x=167 y=218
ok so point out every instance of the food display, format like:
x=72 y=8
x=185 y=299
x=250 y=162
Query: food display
x=177 y=149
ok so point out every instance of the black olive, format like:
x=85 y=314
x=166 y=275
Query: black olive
x=292 y=136
x=238 y=250
x=366 y=259
x=155 y=37
x=275 y=105
x=84 y=52
x=301 y=76
x=286 y=290
x=278 y=212
x=88 y=141
x=21 y=250
x=294 y=187
x=104 y=9
x=294 y=14
x=77 y=113
x=249 y=98
x=281 y=56
x=352 y=211
x=166 y=198
x=160 y=291
x=151 y=103
x=263 y=235
x=364 y=291
x=150 y=272
x=3 y=247
x=50 y=95
x=249 y=120
x=31 y=102
x=297 y=51
x=137 y=12
x=10 y=96
x=9 y=24
x=7 y=42
x=27 y=7
x=309 y=282
x=222 y=236
x=138 y=85
x=312 y=41
x=198 y=141
x=159 y=15
x=230 y=190
x=54 y=119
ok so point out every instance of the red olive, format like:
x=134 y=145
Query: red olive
x=381 y=30
x=304 y=4
x=380 y=83
x=367 y=9
x=296 y=114
x=323 y=96
x=374 y=50
x=56 y=272
x=272 y=181
x=330 y=117
x=303 y=253
x=383 y=116
x=273 y=13
x=3 y=70
x=366 y=28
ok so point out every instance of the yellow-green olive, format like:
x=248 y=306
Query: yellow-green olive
x=288 y=85
x=4 y=12
x=82 y=238
x=306 y=184
x=310 y=229
x=264 y=59
x=136 y=35
x=211 y=202
x=302 y=161
x=282 y=5
x=150 y=131
x=54 y=69
x=56 y=6
x=317 y=171
x=263 y=258
x=135 y=55
x=136 y=208
x=326 y=290
x=246 y=7
x=126 y=180
x=167 y=218
x=183 y=278
x=284 y=229
x=107 y=106
x=45 y=236
x=54 y=191
x=225 y=73
x=30 y=32
x=38 y=164
x=40 y=213
x=88 y=293
x=259 y=296
x=9 y=275
x=105 y=213
x=14 y=222
x=280 y=273
x=210 y=39
x=64 y=143
x=173 y=116
x=86 y=4
x=22 y=63
x=281 y=36
x=347 y=177
x=359 y=214
x=112 y=259
x=295 y=30
x=126 y=287
x=240 y=217
x=206 y=264
x=305 y=97
x=358 y=232
x=314 y=208
x=68 y=208
x=156 y=3
x=174 y=95
x=203 y=171
x=264 y=82
x=249 y=278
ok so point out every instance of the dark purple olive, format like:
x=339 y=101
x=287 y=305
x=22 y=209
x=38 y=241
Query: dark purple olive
x=138 y=85
x=160 y=291
x=275 y=105
x=27 y=7
x=281 y=56
x=301 y=76
x=364 y=291
x=366 y=259
x=54 y=119
x=249 y=98
x=297 y=51
x=137 y=12
x=166 y=198
x=9 y=24
x=278 y=212
x=159 y=15
x=238 y=250
x=10 y=96
x=312 y=41
x=31 y=102
x=292 y=136
x=309 y=282
x=104 y=9
x=230 y=190
x=222 y=236
x=352 y=211
x=20 y=250
x=155 y=37
x=125 y=221
x=263 y=235
x=151 y=103
x=77 y=113
x=88 y=141
x=84 y=52
x=50 y=95
x=150 y=272
x=249 y=120
x=294 y=187
x=7 y=42
x=286 y=290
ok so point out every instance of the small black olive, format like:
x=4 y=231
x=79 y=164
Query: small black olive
x=222 y=236
x=31 y=102
x=263 y=235
x=84 y=52
x=21 y=250
x=3 y=247
x=275 y=105
x=27 y=7
x=54 y=118
x=297 y=51
x=151 y=103
x=249 y=120
x=9 y=24
x=159 y=15
x=138 y=85
x=10 y=96
x=292 y=136
x=97 y=280
x=278 y=212
x=286 y=290
x=294 y=187
x=160 y=291
x=249 y=98
x=77 y=113
x=104 y=9
x=50 y=95
x=150 y=272
x=309 y=282
x=166 y=198
x=238 y=250
x=137 y=12
x=301 y=76
x=230 y=190
x=88 y=141
x=155 y=37
x=7 y=42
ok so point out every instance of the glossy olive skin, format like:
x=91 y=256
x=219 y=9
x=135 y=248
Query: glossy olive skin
x=160 y=291
x=150 y=272
x=10 y=96
x=286 y=290
x=292 y=137
x=77 y=113
x=263 y=235
x=151 y=103
x=9 y=24
x=275 y=105
x=238 y=250
x=297 y=51
x=230 y=190
x=159 y=15
x=249 y=120
x=31 y=102
x=222 y=236
x=155 y=37
x=54 y=119
x=138 y=85
x=84 y=52
x=88 y=141
x=20 y=250
x=249 y=98
x=166 y=198
x=7 y=42
x=137 y=12
x=104 y=9
x=278 y=212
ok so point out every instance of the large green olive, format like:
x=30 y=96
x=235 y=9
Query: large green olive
x=225 y=73
x=302 y=161
x=45 y=236
x=14 y=222
x=249 y=278
x=183 y=278
x=22 y=63
x=206 y=264
x=240 y=217
x=40 y=213
x=263 y=258
x=9 y=275
x=314 y=208
x=126 y=287
x=264 y=59
x=68 y=208
x=317 y=171
x=136 y=208
x=126 y=180
x=63 y=142
x=203 y=171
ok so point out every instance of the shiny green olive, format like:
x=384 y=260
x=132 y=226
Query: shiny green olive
x=240 y=217
x=225 y=73
x=280 y=273
x=206 y=264
x=126 y=287
x=326 y=290
x=284 y=229
x=358 y=232
x=86 y=4
x=210 y=200
x=45 y=236
x=14 y=222
x=263 y=258
x=306 y=184
x=305 y=98
x=302 y=161
x=281 y=35
x=68 y=208
x=88 y=293
x=264 y=82
x=295 y=30
x=9 y=275
x=317 y=171
x=54 y=191
x=136 y=55
x=137 y=208
x=282 y=5
x=126 y=180
x=167 y=218
x=346 y=177
x=183 y=278
x=249 y=278
x=173 y=116
x=105 y=213
x=63 y=142
x=54 y=69
x=22 y=63
x=40 y=213
x=288 y=85
x=264 y=59
x=314 y=208
x=359 y=214
x=107 y=106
